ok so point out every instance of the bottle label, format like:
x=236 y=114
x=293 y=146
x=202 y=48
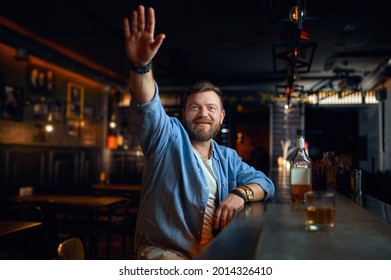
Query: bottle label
x=301 y=176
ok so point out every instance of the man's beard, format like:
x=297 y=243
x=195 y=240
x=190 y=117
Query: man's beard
x=199 y=134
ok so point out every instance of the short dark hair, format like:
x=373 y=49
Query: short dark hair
x=199 y=87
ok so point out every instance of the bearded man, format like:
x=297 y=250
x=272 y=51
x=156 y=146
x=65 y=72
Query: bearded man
x=192 y=186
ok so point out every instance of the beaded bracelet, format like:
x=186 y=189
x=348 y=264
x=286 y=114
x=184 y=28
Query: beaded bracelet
x=142 y=69
x=239 y=193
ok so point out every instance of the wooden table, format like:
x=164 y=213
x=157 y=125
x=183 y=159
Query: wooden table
x=8 y=228
x=130 y=191
x=99 y=206
x=116 y=187
x=71 y=200
x=275 y=230
x=14 y=235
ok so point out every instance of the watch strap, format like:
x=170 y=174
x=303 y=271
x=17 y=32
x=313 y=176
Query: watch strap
x=239 y=193
x=141 y=69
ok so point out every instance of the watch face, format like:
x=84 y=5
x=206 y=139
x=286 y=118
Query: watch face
x=250 y=195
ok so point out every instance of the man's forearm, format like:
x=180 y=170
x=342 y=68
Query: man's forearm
x=142 y=86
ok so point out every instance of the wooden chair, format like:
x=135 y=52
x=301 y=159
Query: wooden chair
x=24 y=212
x=71 y=249
x=123 y=220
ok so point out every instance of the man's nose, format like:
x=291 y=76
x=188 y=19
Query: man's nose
x=203 y=111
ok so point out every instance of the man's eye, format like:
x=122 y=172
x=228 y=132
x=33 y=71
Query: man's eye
x=212 y=108
x=193 y=107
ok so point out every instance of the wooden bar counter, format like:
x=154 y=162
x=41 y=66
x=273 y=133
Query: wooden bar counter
x=275 y=230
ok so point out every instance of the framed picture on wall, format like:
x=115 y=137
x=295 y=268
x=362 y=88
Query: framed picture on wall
x=75 y=101
x=57 y=109
x=40 y=110
x=11 y=103
x=41 y=81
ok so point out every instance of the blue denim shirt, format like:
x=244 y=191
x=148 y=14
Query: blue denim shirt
x=174 y=191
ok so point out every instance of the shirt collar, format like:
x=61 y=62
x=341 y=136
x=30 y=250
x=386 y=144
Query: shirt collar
x=214 y=147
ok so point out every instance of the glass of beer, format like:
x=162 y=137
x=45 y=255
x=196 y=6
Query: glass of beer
x=319 y=210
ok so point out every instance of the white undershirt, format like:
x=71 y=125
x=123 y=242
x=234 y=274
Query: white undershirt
x=207 y=169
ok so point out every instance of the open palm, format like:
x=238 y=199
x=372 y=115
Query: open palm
x=140 y=44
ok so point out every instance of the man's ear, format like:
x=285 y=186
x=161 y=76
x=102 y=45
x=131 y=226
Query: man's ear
x=222 y=116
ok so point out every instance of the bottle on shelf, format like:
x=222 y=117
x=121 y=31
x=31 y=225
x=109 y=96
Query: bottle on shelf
x=103 y=178
x=120 y=140
x=300 y=170
x=329 y=160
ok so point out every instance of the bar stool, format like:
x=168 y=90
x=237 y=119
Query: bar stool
x=71 y=249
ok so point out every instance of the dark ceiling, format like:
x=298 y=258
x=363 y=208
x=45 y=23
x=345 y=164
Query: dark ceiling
x=229 y=42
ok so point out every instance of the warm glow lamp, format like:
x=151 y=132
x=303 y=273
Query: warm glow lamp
x=49 y=125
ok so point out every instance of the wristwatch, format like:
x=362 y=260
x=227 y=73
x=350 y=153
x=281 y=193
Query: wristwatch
x=249 y=192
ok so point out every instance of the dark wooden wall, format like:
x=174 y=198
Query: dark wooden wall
x=126 y=167
x=48 y=169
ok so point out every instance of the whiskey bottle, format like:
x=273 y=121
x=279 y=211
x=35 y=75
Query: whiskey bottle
x=300 y=171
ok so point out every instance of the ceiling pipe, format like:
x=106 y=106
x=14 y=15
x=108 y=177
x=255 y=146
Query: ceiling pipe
x=376 y=77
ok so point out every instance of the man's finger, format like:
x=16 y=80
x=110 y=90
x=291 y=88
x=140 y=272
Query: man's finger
x=134 y=22
x=126 y=27
x=158 y=41
x=151 y=21
x=216 y=223
x=223 y=218
x=141 y=18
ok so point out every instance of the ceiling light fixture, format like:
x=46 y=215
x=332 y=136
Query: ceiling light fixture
x=294 y=14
